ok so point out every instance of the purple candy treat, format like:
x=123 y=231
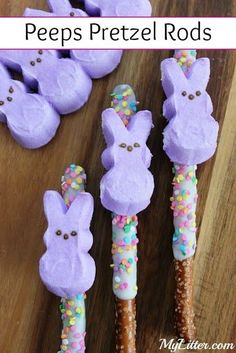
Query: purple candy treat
x=66 y=268
x=119 y=7
x=31 y=120
x=62 y=82
x=96 y=63
x=127 y=187
x=191 y=135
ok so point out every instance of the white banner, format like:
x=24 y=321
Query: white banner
x=117 y=32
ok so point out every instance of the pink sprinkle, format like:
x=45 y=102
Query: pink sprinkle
x=125 y=285
x=67 y=170
x=73 y=174
x=188 y=177
x=73 y=328
x=136 y=259
x=67 y=306
x=178 y=55
x=74 y=345
x=77 y=335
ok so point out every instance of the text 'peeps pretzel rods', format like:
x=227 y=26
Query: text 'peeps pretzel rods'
x=116 y=32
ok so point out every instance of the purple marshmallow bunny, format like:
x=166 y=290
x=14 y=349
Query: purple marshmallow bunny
x=66 y=268
x=96 y=63
x=191 y=135
x=63 y=82
x=31 y=120
x=128 y=185
x=119 y=7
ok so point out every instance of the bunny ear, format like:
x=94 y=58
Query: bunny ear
x=59 y=5
x=140 y=124
x=54 y=206
x=81 y=210
x=35 y=13
x=112 y=125
x=4 y=73
x=173 y=76
x=199 y=72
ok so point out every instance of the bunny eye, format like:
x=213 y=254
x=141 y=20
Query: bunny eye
x=123 y=145
x=72 y=14
x=136 y=144
x=198 y=93
x=184 y=93
x=73 y=233
x=58 y=232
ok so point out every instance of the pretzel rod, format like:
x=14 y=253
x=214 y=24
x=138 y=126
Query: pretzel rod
x=124 y=247
x=184 y=240
x=73 y=309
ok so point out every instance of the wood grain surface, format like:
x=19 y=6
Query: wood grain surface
x=29 y=316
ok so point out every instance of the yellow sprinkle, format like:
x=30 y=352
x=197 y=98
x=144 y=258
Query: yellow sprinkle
x=78 y=170
x=129 y=270
x=116 y=286
x=117 y=109
x=112 y=104
x=190 y=174
x=172 y=198
x=129 y=91
x=64 y=348
x=127 y=112
x=183 y=60
x=120 y=250
x=179 y=198
x=70 y=302
x=79 y=180
x=78 y=310
x=124 y=104
x=68 y=312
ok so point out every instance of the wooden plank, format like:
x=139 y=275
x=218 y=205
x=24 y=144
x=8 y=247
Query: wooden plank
x=29 y=317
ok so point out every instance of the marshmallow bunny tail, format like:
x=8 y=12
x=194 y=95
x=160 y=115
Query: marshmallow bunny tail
x=73 y=309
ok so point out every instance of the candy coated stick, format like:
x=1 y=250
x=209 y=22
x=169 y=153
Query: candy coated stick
x=73 y=309
x=124 y=247
x=183 y=204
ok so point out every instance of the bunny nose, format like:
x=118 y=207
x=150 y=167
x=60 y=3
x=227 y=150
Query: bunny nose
x=191 y=97
x=66 y=236
x=130 y=148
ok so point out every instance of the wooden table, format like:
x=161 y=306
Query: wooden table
x=29 y=317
